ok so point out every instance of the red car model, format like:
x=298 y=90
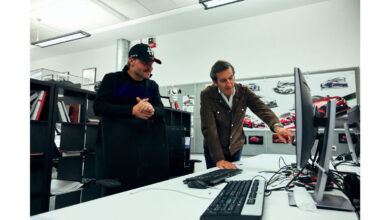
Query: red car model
x=341 y=105
x=247 y=122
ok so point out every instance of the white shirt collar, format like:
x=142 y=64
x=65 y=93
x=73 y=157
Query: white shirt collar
x=229 y=101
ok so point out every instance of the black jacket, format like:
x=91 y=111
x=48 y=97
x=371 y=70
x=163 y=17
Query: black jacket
x=117 y=96
x=132 y=150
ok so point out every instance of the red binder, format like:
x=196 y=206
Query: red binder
x=39 y=106
x=74 y=112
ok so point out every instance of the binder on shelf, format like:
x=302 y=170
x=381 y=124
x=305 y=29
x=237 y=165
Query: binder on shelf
x=39 y=105
x=63 y=115
x=33 y=105
x=33 y=96
x=65 y=111
x=74 y=112
x=93 y=121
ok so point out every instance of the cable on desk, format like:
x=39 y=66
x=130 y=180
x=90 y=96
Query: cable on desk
x=281 y=158
x=350 y=163
x=172 y=190
x=259 y=176
x=270 y=181
x=281 y=180
x=295 y=177
x=344 y=172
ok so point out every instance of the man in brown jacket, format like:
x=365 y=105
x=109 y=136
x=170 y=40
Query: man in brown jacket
x=222 y=111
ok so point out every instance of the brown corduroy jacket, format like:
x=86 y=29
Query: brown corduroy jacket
x=222 y=127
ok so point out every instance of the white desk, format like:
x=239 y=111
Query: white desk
x=173 y=200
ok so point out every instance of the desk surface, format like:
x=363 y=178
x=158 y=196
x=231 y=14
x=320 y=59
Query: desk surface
x=173 y=200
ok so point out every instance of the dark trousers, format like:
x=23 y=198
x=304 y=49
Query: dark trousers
x=228 y=157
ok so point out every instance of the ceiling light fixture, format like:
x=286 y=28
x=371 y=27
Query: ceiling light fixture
x=208 y=4
x=61 y=39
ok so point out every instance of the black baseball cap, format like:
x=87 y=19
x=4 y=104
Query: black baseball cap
x=143 y=52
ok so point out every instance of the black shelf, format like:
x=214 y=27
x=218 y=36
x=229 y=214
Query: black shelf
x=75 y=137
x=178 y=126
x=41 y=150
x=70 y=168
x=91 y=137
x=72 y=137
x=81 y=138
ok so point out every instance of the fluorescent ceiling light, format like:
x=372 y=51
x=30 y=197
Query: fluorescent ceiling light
x=208 y=4
x=61 y=39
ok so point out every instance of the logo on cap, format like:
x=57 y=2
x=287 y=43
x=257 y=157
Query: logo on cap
x=150 y=51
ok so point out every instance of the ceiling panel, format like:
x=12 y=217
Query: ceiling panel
x=130 y=8
x=183 y=3
x=158 y=6
x=36 y=4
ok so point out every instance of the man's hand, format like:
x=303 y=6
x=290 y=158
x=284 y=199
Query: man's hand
x=143 y=109
x=284 y=134
x=145 y=105
x=223 y=164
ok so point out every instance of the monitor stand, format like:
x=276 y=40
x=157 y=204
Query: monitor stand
x=335 y=202
x=322 y=200
x=350 y=144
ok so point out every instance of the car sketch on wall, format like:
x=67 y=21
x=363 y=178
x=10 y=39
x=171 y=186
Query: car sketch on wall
x=254 y=87
x=343 y=138
x=271 y=103
x=339 y=82
x=258 y=124
x=287 y=118
x=320 y=102
x=276 y=140
x=256 y=140
x=284 y=87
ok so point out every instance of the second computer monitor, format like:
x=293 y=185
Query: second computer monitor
x=305 y=129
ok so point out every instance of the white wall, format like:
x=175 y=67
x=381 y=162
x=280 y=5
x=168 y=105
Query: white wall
x=102 y=58
x=314 y=37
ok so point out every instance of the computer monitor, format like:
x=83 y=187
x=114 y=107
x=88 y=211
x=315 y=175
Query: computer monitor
x=304 y=119
x=307 y=124
x=166 y=101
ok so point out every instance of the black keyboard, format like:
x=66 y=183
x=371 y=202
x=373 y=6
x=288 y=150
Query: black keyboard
x=214 y=177
x=238 y=200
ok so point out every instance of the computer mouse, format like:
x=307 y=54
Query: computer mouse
x=198 y=184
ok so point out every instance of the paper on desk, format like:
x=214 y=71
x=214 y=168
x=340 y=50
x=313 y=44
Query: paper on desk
x=263 y=162
x=63 y=186
x=246 y=175
x=304 y=200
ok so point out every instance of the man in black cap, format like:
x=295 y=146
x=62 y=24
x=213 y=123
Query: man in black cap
x=124 y=93
x=129 y=98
